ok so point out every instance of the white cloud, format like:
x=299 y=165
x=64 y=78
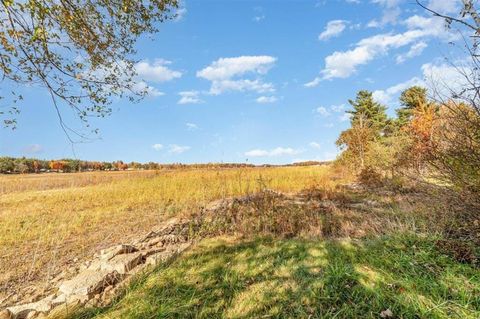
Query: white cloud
x=266 y=99
x=315 y=145
x=157 y=71
x=33 y=149
x=177 y=149
x=333 y=29
x=180 y=14
x=226 y=68
x=142 y=86
x=279 y=151
x=444 y=6
x=191 y=126
x=219 y=87
x=157 y=147
x=316 y=81
x=387 y=96
x=338 y=108
x=440 y=79
x=225 y=72
x=444 y=79
x=415 y=50
x=259 y=15
x=322 y=111
x=189 y=97
x=391 y=12
x=343 y=64
x=345 y=117
x=259 y=18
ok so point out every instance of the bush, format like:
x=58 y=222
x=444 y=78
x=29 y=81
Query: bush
x=370 y=177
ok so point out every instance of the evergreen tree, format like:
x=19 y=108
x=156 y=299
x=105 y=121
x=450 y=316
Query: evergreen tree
x=367 y=112
x=410 y=99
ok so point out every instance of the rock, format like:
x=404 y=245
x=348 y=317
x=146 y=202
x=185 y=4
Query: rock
x=24 y=311
x=158 y=258
x=149 y=235
x=6 y=314
x=111 y=252
x=172 y=239
x=89 y=282
x=154 y=242
x=386 y=314
x=21 y=311
x=60 y=299
x=122 y=263
x=163 y=256
x=152 y=251
x=31 y=315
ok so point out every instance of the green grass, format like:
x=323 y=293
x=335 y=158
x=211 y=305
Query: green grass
x=267 y=278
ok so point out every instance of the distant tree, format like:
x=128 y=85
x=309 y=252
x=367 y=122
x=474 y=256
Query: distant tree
x=368 y=113
x=6 y=164
x=410 y=99
x=57 y=165
x=80 y=51
x=20 y=165
x=356 y=140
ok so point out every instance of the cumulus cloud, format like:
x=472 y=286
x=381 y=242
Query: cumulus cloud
x=322 y=111
x=157 y=71
x=343 y=64
x=142 y=86
x=415 y=50
x=444 y=6
x=387 y=96
x=445 y=79
x=390 y=14
x=157 y=147
x=189 y=97
x=191 y=126
x=315 y=145
x=279 y=151
x=441 y=79
x=345 y=117
x=266 y=99
x=180 y=14
x=225 y=74
x=333 y=29
x=177 y=149
x=33 y=149
x=338 y=108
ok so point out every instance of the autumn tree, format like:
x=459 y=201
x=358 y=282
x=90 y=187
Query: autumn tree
x=368 y=124
x=80 y=51
x=410 y=99
x=456 y=158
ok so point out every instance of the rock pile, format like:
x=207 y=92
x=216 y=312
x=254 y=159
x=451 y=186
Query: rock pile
x=97 y=281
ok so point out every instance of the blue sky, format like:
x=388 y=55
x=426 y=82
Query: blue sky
x=266 y=81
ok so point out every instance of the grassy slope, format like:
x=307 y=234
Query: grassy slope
x=265 y=278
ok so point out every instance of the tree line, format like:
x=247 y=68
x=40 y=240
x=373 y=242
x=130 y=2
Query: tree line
x=12 y=165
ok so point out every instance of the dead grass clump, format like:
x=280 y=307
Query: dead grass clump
x=370 y=177
x=265 y=213
x=312 y=213
x=459 y=250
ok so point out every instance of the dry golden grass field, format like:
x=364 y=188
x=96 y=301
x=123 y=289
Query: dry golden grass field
x=50 y=220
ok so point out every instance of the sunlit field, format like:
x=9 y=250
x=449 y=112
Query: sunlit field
x=49 y=220
x=272 y=278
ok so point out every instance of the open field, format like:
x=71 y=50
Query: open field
x=51 y=220
x=321 y=248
